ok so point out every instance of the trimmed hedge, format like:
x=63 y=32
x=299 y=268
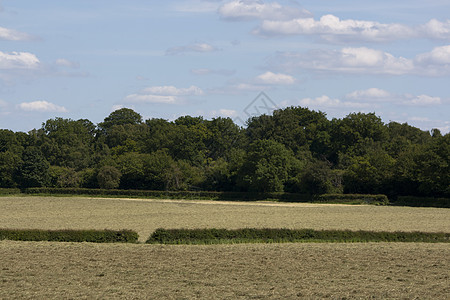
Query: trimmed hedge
x=421 y=201
x=9 y=191
x=267 y=235
x=353 y=199
x=209 y=195
x=92 y=236
x=227 y=196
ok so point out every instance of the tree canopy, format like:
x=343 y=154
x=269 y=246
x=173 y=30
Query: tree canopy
x=295 y=150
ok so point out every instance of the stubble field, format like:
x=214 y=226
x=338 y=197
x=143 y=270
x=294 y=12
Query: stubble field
x=247 y=271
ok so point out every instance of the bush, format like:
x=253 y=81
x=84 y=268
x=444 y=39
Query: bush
x=93 y=236
x=4 y=191
x=267 y=235
x=353 y=199
x=422 y=201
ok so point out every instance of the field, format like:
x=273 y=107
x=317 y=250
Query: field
x=246 y=271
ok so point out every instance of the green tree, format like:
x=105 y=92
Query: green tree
x=121 y=116
x=267 y=167
x=34 y=170
x=108 y=177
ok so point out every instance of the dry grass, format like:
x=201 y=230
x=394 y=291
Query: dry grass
x=44 y=270
x=144 y=216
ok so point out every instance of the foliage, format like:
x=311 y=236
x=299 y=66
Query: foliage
x=421 y=201
x=269 y=235
x=92 y=236
x=293 y=150
x=108 y=177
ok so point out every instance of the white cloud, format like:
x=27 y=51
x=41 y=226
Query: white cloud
x=436 y=29
x=438 y=56
x=139 y=98
x=423 y=100
x=196 y=47
x=371 y=93
x=173 y=91
x=164 y=94
x=332 y=29
x=254 y=9
x=275 y=78
x=41 y=106
x=116 y=107
x=13 y=35
x=229 y=113
x=18 y=60
x=366 y=61
x=62 y=62
x=325 y=101
x=375 y=95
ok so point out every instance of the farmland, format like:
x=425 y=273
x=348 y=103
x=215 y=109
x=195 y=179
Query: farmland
x=258 y=271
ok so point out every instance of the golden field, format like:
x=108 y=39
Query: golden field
x=46 y=270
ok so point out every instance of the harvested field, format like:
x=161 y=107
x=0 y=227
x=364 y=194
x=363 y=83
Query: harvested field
x=51 y=270
x=47 y=270
x=144 y=216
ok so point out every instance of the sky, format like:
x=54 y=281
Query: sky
x=83 y=59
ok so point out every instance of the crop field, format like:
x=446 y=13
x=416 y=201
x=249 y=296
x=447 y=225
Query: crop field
x=241 y=271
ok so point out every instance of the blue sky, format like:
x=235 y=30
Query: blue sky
x=85 y=58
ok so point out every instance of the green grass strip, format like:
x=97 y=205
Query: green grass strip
x=268 y=235
x=93 y=236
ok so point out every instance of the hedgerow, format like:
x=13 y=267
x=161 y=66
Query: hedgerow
x=228 y=196
x=9 y=191
x=93 y=236
x=268 y=235
x=422 y=201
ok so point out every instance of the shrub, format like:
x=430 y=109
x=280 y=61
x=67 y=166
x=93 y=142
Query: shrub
x=93 y=236
x=268 y=235
x=4 y=191
x=422 y=201
x=353 y=199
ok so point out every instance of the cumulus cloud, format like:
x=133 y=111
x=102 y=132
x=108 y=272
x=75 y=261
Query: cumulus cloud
x=13 y=35
x=196 y=47
x=436 y=29
x=142 y=98
x=280 y=20
x=18 y=60
x=275 y=78
x=333 y=29
x=438 y=56
x=169 y=90
x=41 y=106
x=371 y=93
x=422 y=100
x=254 y=9
x=325 y=101
x=62 y=62
x=366 y=61
x=376 y=95
x=229 y=113
x=163 y=94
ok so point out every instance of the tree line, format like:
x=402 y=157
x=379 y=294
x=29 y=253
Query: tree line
x=292 y=150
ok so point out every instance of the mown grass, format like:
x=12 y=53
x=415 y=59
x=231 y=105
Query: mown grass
x=146 y=215
x=273 y=235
